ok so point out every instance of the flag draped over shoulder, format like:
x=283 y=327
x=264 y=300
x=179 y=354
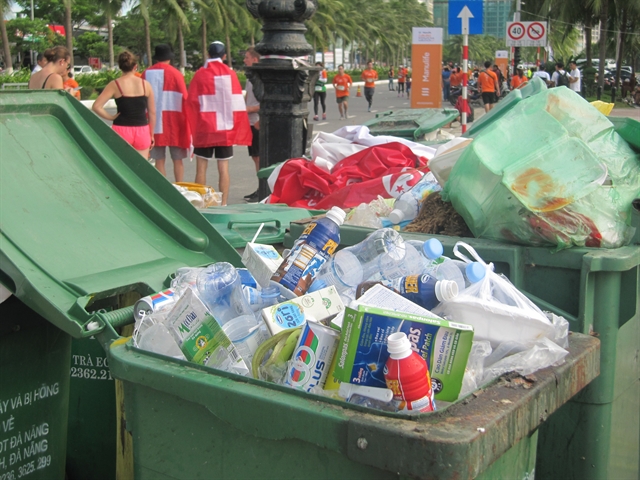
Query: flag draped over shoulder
x=170 y=94
x=216 y=109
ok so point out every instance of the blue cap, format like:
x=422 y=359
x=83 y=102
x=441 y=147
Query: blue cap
x=318 y=284
x=246 y=278
x=475 y=271
x=432 y=248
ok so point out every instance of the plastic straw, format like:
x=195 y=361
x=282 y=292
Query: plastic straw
x=255 y=237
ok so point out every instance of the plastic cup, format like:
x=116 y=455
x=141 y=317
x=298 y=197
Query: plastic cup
x=246 y=335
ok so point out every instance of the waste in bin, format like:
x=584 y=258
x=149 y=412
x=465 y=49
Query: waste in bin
x=94 y=227
x=413 y=123
x=597 y=434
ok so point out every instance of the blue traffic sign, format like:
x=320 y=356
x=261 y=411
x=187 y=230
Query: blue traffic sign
x=475 y=23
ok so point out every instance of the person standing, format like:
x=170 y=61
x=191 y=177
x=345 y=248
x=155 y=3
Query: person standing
x=171 y=128
x=217 y=115
x=408 y=85
x=455 y=81
x=446 y=83
x=70 y=85
x=369 y=76
x=542 y=73
x=392 y=74
x=342 y=83
x=40 y=63
x=575 y=82
x=135 y=102
x=253 y=109
x=488 y=85
x=50 y=77
x=320 y=93
x=560 y=77
x=519 y=80
x=402 y=76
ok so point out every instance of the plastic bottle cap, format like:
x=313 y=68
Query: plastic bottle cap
x=398 y=345
x=446 y=290
x=475 y=272
x=318 y=284
x=433 y=248
x=396 y=216
x=337 y=215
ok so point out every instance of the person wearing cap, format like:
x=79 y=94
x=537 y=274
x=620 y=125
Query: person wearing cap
x=251 y=56
x=519 y=80
x=218 y=117
x=171 y=128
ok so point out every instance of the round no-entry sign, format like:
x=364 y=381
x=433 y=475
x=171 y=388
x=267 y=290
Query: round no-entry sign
x=535 y=31
x=516 y=31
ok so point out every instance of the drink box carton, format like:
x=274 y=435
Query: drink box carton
x=319 y=306
x=200 y=336
x=362 y=351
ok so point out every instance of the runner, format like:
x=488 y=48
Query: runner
x=342 y=83
x=369 y=76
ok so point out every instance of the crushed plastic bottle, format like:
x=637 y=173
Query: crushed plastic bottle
x=408 y=204
x=220 y=289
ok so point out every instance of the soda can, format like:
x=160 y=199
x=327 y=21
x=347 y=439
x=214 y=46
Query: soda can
x=312 y=356
x=155 y=303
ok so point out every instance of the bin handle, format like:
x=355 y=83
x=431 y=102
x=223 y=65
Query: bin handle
x=116 y=319
x=257 y=222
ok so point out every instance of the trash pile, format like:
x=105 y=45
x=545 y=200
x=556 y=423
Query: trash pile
x=200 y=196
x=387 y=324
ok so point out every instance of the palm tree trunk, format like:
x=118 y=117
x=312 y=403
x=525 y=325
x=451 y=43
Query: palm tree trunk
x=6 y=49
x=68 y=27
x=335 y=58
x=181 y=47
x=228 y=39
x=604 y=14
x=110 y=33
x=587 y=38
x=622 y=30
x=205 y=45
x=147 y=40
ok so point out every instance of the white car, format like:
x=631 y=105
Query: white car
x=82 y=69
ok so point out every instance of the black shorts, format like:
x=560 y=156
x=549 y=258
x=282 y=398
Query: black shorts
x=489 y=98
x=221 y=153
x=342 y=99
x=254 y=149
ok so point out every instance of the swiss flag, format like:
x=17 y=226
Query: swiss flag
x=170 y=94
x=216 y=109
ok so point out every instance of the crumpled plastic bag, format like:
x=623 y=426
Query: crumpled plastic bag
x=474 y=372
x=363 y=216
x=548 y=171
x=495 y=308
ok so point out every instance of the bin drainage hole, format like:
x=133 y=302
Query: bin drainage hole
x=362 y=443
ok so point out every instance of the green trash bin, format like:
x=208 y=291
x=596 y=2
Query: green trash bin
x=597 y=434
x=93 y=227
x=34 y=394
x=413 y=124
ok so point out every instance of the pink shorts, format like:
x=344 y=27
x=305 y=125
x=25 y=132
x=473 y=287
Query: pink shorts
x=138 y=137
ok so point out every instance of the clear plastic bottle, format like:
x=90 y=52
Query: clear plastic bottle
x=424 y=290
x=315 y=246
x=472 y=272
x=431 y=250
x=398 y=264
x=351 y=265
x=220 y=289
x=407 y=375
x=407 y=205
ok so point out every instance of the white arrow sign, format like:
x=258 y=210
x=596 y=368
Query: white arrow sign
x=465 y=14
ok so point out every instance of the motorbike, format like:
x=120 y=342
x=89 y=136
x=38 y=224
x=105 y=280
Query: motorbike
x=474 y=97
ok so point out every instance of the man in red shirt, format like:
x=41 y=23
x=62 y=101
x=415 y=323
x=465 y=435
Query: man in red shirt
x=369 y=76
x=342 y=83
x=488 y=84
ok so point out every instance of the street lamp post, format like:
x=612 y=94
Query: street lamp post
x=282 y=83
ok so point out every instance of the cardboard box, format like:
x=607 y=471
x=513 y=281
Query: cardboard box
x=262 y=261
x=319 y=306
x=362 y=351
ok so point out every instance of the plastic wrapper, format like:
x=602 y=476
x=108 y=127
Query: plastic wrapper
x=474 y=372
x=551 y=171
x=363 y=216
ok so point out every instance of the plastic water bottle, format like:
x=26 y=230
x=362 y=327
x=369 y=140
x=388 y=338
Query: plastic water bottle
x=348 y=267
x=315 y=246
x=407 y=205
x=424 y=290
x=472 y=272
x=431 y=250
x=220 y=289
x=407 y=375
x=391 y=267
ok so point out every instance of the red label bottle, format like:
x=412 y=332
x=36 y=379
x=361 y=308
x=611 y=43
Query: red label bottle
x=407 y=375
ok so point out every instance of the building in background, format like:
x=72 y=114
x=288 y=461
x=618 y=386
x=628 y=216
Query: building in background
x=441 y=17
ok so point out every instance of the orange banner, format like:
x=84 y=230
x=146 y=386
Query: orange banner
x=426 y=67
x=502 y=60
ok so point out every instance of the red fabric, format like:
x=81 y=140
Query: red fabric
x=387 y=170
x=208 y=128
x=175 y=127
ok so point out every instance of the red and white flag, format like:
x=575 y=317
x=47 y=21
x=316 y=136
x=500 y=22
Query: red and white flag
x=216 y=109
x=170 y=94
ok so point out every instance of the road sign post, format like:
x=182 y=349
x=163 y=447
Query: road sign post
x=464 y=16
x=526 y=34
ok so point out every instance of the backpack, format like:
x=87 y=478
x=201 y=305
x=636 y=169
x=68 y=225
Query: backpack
x=563 y=79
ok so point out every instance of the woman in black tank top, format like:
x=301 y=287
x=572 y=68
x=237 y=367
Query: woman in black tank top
x=50 y=77
x=135 y=105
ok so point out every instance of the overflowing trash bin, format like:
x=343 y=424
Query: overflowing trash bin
x=413 y=124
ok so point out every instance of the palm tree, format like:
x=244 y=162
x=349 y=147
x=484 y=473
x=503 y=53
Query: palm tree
x=227 y=13
x=6 y=49
x=144 y=11
x=68 y=26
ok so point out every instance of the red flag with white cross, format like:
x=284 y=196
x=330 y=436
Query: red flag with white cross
x=216 y=109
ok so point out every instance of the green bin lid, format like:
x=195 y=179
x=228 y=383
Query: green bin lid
x=411 y=123
x=84 y=217
x=239 y=223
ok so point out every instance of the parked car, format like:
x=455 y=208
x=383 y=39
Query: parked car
x=82 y=69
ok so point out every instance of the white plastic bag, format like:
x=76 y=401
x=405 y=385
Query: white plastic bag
x=496 y=309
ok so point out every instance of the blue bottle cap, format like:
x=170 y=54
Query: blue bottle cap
x=246 y=278
x=475 y=272
x=318 y=284
x=432 y=248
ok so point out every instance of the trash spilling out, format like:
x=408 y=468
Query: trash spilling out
x=388 y=324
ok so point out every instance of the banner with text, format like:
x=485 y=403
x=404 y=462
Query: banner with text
x=426 y=63
x=502 y=60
